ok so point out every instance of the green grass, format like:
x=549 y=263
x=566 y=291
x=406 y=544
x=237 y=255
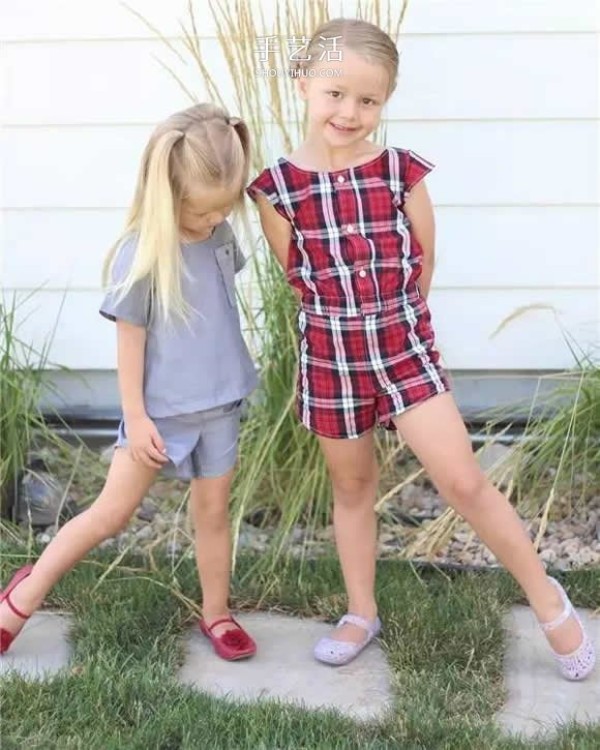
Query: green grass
x=442 y=635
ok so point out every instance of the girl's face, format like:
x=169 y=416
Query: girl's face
x=345 y=99
x=204 y=209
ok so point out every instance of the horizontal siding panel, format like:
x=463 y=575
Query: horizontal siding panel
x=464 y=321
x=477 y=163
x=109 y=82
x=494 y=16
x=123 y=82
x=88 y=19
x=536 y=248
x=477 y=247
x=57 y=249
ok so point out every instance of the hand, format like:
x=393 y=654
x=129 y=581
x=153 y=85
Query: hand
x=145 y=442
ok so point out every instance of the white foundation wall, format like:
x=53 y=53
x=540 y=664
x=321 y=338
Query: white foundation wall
x=501 y=95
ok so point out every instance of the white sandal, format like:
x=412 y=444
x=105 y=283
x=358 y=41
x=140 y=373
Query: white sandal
x=337 y=653
x=580 y=663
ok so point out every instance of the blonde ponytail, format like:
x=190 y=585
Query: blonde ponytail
x=199 y=146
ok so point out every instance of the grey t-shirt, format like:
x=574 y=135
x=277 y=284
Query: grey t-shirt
x=205 y=362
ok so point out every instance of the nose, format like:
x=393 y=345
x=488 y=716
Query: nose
x=348 y=108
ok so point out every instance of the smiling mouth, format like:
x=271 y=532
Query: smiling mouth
x=343 y=128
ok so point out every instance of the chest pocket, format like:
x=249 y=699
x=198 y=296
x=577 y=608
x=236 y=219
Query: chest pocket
x=226 y=263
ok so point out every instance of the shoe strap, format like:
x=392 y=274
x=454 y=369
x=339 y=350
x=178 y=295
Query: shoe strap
x=360 y=622
x=564 y=615
x=221 y=621
x=17 y=611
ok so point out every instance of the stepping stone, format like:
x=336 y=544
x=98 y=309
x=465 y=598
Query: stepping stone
x=539 y=699
x=42 y=648
x=284 y=669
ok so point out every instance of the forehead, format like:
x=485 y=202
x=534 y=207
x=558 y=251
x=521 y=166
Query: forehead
x=353 y=72
x=211 y=199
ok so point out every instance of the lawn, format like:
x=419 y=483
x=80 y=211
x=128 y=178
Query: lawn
x=442 y=635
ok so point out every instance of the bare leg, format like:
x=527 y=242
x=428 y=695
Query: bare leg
x=126 y=484
x=435 y=431
x=209 y=504
x=354 y=475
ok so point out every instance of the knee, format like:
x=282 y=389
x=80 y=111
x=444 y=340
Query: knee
x=106 y=524
x=351 y=491
x=212 y=513
x=466 y=491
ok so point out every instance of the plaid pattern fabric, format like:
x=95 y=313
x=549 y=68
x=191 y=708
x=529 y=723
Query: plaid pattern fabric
x=366 y=344
x=358 y=371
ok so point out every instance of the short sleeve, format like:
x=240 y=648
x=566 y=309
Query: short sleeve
x=264 y=185
x=414 y=170
x=134 y=306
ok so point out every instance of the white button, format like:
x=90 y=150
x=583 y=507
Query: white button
x=340 y=178
x=362 y=273
x=350 y=228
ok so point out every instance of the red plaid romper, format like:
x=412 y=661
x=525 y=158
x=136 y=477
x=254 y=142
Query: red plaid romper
x=366 y=345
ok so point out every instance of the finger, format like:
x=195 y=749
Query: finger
x=155 y=454
x=158 y=442
x=149 y=461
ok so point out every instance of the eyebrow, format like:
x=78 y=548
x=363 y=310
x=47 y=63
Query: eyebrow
x=343 y=88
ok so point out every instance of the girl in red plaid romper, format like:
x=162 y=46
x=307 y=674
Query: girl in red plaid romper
x=352 y=225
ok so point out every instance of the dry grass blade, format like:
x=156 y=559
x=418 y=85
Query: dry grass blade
x=434 y=536
x=397 y=488
x=156 y=31
x=519 y=313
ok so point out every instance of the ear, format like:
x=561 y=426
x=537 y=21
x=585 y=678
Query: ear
x=302 y=84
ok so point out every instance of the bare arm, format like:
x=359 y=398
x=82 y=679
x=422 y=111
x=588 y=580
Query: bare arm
x=278 y=232
x=276 y=229
x=146 y=445
x=131 y=346
x=419 y=212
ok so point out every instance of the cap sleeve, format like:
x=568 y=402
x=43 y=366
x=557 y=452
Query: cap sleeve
x=265 y=185
x=134 y=305
x=414 y=170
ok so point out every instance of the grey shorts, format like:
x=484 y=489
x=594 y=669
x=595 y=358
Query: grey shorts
x=202 y=444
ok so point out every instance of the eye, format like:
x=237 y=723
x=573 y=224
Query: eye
x=368 y=101
x=335 y=94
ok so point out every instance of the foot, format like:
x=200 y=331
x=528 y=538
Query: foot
x=348 y=632
x=229 y=639
x=224 y=623
x=357 y=632
x=566 y=635
x=12 y=613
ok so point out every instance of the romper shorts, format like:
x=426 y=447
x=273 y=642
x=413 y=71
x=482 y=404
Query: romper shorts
x=199 y=445
x=358 y=372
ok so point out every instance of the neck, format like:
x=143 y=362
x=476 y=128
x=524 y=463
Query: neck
x=328 y=158
x=189 y=237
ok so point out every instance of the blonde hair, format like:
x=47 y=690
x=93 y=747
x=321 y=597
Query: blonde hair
x=202 y=146
x=362 y=37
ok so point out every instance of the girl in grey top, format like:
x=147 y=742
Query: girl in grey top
x=183 y=365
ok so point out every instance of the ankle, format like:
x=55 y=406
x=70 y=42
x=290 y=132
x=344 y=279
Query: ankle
x=21 y=598
x=547 y=603
x=212 y=615
x=368 y=611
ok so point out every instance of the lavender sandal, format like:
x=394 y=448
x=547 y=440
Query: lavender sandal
x=337 y=653
x=578 y=664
